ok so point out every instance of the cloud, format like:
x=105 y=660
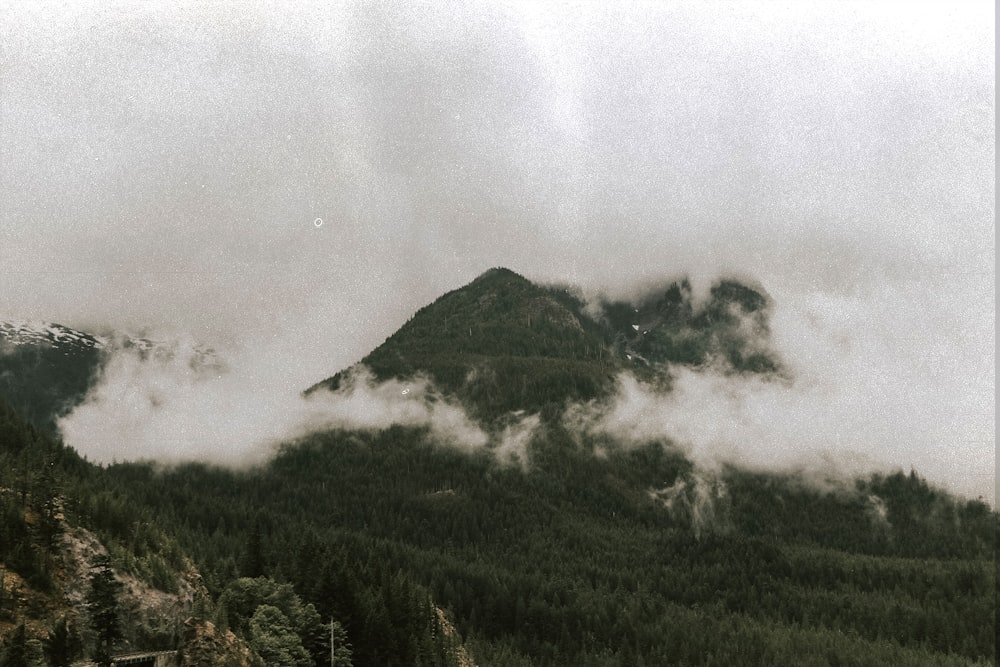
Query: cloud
x=168 y=407
x=363 y=403
x=513 y=441
x=699 y=499
x=165 y=406
x=164 y=166
x=826 y=427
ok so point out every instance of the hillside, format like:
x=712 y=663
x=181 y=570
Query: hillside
x=633 y=558
x=58 y=525
x=66 y=524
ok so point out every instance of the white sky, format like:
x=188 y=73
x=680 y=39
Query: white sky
x=162 y=166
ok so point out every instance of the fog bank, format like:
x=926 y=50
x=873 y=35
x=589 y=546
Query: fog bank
x=290 y=185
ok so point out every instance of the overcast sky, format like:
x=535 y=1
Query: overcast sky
x=297 y=181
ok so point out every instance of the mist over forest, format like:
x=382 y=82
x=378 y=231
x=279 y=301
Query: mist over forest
x=290 y=187
x=490 y=287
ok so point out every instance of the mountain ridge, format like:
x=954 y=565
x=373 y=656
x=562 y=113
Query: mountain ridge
x=502 y=343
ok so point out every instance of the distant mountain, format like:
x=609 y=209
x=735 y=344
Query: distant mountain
x=46 y=368
x=501 y=344
x=504 y=344
x=14 y=334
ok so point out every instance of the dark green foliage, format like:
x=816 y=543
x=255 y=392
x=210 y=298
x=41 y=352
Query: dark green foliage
x=45 y=380
x=274 y=640
x=102 y=604
x=244 y=596
x=32 y=469
x=63 y=644
x=253 y=557
x=341 y=652
x=572 y=563
x=15 y=650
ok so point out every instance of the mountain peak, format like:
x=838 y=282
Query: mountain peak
x=501 y=343
x=499 y=273
x=500 y=313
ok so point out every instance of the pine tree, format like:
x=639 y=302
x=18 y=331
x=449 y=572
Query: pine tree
x=253 y=558
x=62 y=644
x=275 y=641
x=341 y=652
x=102 y=601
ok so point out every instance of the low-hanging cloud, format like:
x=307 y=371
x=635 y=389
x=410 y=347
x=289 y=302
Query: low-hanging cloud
x=873 y=377
x=159 y=405
x=170 y=408
x=171 y=403
x=513 y=443
x=361 y=402
x=289 y=185
x=698 y=499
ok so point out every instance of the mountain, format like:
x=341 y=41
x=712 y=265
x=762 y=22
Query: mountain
x=503 y=344
x=500 y=344
x=664 y=326
x=16 y=334
x=409 y=550
x=46 y=368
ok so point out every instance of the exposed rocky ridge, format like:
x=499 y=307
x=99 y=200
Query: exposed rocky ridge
x=207 y=646
x=151 y=618
x=461 y=652
x=46 y=333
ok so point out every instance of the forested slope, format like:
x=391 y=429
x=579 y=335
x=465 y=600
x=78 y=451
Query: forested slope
x=574 y=563
x=63 y=521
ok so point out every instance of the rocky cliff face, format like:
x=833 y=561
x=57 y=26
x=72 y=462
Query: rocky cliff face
x=207 y=646
x=150 y=618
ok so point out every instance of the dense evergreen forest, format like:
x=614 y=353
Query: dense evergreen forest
x=568 y=563
x=592 y=553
